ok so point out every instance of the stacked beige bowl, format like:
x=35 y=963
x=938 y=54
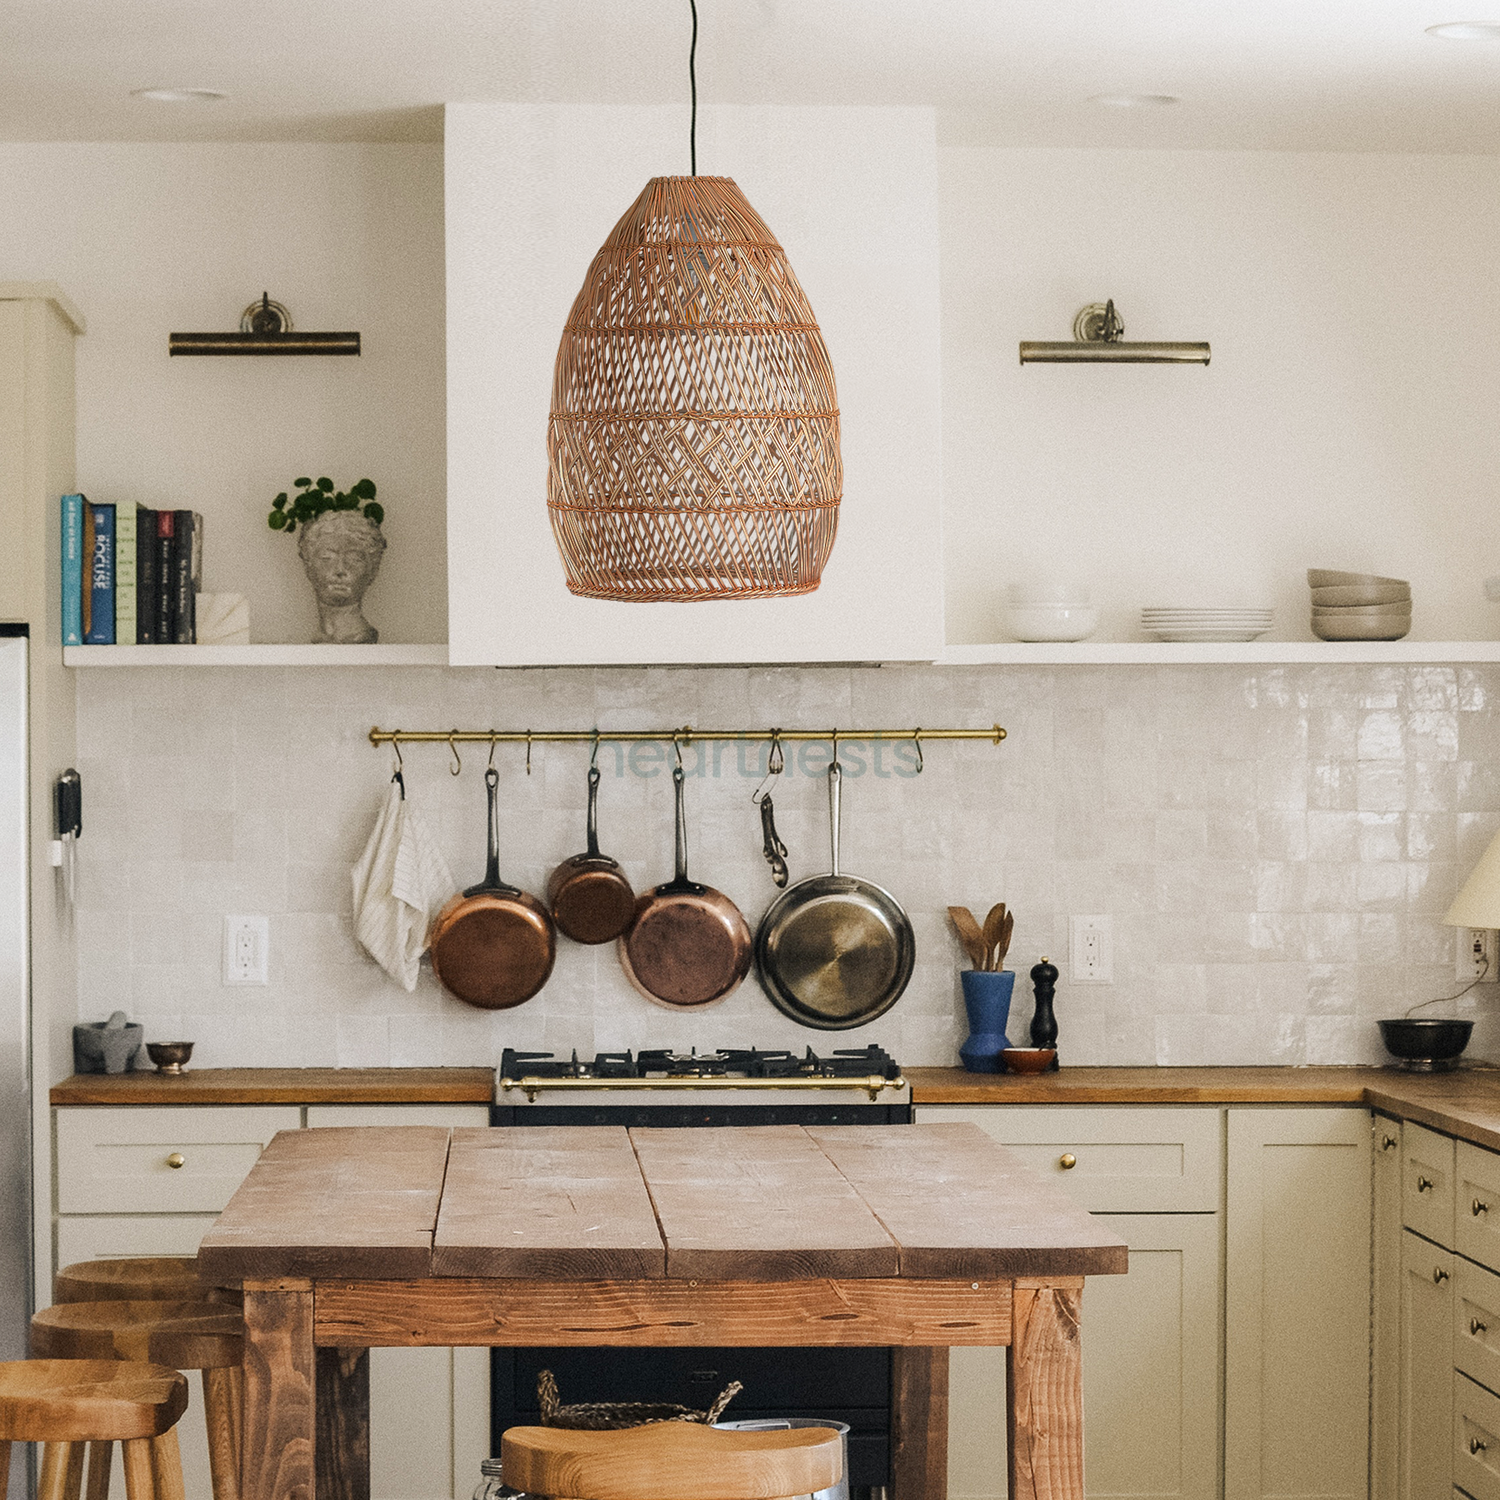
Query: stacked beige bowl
x=1358 y=606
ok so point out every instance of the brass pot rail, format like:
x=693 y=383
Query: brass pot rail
x=684 y=735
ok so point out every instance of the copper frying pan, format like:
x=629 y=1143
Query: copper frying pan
x=689 y=946
x=494 y=945
x=589 y=897
x=834 y=951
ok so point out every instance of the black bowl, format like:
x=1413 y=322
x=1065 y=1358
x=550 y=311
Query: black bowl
x=1430 y=1044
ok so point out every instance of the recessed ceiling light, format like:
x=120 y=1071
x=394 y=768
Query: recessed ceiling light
x=1467 y=31
x=1135 y=101
x=178 y=96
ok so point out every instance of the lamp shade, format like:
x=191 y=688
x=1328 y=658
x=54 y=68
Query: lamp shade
x=693 y=441
x=1478 y=901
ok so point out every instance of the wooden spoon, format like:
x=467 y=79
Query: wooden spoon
x=994 y=927
x=969 y=935
x=1006 y=928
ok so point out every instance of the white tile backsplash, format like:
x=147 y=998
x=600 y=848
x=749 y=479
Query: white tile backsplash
x=1277 y=847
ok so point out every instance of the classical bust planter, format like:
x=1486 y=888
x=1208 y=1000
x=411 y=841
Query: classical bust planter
x=341 y=554
x=341 y=546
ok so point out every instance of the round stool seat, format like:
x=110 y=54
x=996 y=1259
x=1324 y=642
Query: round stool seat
x=183 y=1335
x=145 y=1278
x=82 y=1400
x=672 y=1461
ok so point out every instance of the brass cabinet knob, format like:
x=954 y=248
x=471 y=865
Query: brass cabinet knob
x=1480 y=1207
x=1477 y=1445
x=1425 y=1185
x=1067 y=1161
x=176 y=1159
x=1476 y=1327
x=1388 y=1143
x=1439 y=1276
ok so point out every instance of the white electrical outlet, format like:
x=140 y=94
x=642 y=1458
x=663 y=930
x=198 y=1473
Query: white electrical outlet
x=1091 y=950
x=1476 y=955
x=247 y=950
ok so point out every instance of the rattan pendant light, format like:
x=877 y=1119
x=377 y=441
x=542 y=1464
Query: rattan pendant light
x=693 y=442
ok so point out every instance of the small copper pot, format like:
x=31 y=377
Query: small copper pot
x=689 y=945
x=589 y=897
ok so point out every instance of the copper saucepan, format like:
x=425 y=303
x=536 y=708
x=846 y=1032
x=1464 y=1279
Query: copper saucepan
x=494 y=945
x=689 y=946
x=589 y=897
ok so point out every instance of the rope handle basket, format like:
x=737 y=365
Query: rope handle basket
x=612 y=1416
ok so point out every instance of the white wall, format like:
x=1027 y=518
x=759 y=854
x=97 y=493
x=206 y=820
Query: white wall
x=1347 y=419
x=150 y=239
x=851 y=194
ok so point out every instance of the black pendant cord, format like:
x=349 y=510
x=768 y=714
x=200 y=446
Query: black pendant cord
x=693 y=89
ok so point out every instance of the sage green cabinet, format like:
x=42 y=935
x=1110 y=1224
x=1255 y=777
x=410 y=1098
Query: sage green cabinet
x=1385 y=1307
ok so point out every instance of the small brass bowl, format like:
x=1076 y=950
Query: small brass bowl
x=169 y=1057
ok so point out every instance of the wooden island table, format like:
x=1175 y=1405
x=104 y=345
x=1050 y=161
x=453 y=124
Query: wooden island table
x=917 y=1237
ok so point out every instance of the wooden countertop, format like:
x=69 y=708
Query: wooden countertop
x=1465 y=1103
x=933 y=1202
x=282 y=1086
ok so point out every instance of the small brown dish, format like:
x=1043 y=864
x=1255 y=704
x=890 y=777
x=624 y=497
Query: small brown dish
x=1028 y=1059
x=169 y=1057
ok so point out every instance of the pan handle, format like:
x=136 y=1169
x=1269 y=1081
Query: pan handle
x=492 y=883
x=593 y=812
x=835 y=780
x=680 y=819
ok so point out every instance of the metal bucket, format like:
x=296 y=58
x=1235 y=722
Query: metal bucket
x=840 y=1491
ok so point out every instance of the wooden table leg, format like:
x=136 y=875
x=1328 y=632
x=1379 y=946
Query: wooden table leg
x=343 y=1462
x=919 y=1424
x=1044 y=1386
x=279 y=1421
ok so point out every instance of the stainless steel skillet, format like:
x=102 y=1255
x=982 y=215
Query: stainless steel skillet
x=834 y=951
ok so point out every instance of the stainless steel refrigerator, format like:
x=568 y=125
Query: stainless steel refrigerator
x=15 y=1017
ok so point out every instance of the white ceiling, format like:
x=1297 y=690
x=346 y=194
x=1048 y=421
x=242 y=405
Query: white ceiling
x=1340 y=75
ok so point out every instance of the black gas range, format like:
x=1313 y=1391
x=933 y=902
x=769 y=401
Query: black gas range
x=732 y=1087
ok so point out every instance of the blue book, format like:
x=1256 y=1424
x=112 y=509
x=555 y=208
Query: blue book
x=72 y=569
x=101 y=577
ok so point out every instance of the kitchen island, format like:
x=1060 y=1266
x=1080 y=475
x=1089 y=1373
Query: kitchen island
x=914 y=1237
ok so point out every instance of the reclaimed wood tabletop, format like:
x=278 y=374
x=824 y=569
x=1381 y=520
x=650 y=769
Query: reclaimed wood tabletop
x=914 y=1237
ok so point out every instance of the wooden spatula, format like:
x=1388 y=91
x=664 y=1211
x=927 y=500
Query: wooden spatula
x=994 y=936
x=969 y=935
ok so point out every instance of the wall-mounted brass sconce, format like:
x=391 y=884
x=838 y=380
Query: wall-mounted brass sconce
x=265 y=328
x=1098 y=339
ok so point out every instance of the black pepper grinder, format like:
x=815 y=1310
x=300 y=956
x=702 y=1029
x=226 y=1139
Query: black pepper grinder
x=1043 y=1021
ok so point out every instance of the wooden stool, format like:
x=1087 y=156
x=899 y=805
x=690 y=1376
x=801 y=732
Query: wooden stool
x=144 y=1278
x=185 y=1335
x=672 y=1461
x=66 y=1403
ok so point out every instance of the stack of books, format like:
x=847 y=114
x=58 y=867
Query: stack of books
x=130 y=576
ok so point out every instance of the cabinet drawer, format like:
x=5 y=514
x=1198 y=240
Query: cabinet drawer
x=454 y=1116
x=1476 y=1322
x=1427 y=1182
x=114 y=1161
x=1476 y=1439
x=1476 y=1206
x=1125 y=1159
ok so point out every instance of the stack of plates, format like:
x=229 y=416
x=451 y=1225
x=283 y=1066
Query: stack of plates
x=1206 y=624
x=1358 y=606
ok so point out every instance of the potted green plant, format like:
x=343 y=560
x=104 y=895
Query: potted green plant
x=341 y=544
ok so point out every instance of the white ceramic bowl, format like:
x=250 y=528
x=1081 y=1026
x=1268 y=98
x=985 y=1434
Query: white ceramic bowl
x=1362 y=611
x=1051 y=622
x=1362 y=593
x=1391 y=628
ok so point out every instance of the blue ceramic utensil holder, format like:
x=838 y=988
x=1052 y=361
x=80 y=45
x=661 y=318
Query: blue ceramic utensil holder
x=987 y=1000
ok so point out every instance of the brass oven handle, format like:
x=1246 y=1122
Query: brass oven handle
x=1067 y=1161
x=176 y=1159
x=1424 y=1185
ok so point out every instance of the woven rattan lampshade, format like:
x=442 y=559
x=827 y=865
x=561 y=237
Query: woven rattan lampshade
x=693 y=443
